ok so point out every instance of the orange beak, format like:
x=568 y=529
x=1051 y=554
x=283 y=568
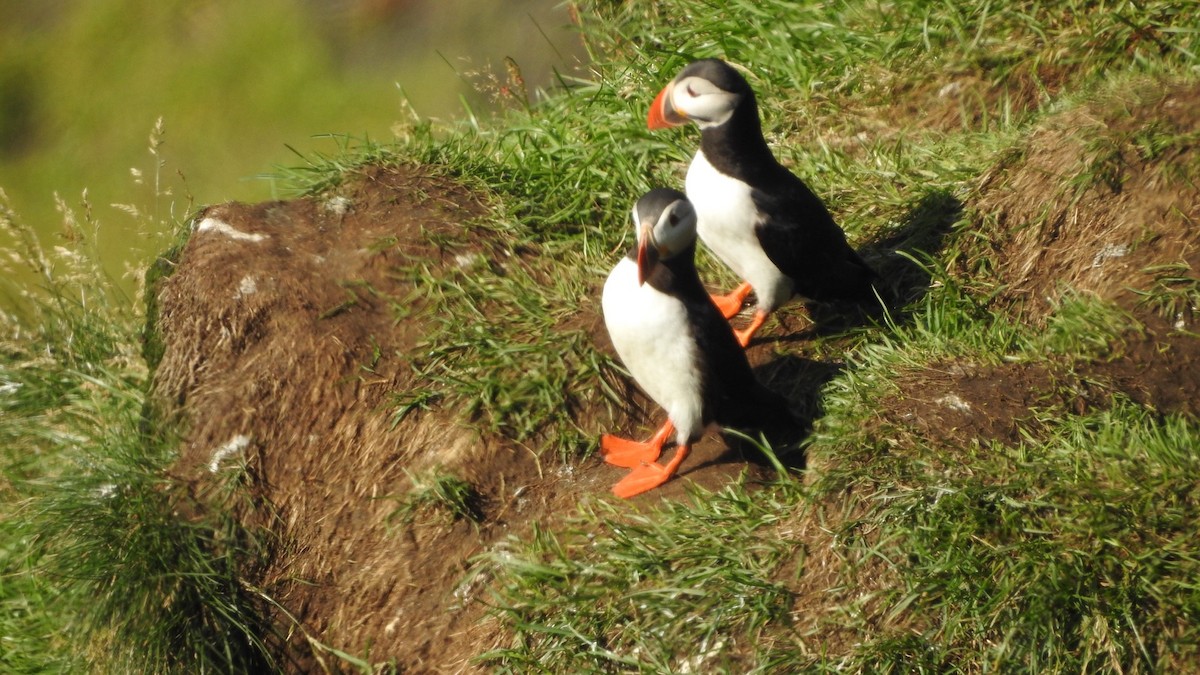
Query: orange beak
x=647 y=252
x=662 y=114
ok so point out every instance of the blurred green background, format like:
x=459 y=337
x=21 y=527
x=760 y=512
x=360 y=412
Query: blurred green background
x=82 y=83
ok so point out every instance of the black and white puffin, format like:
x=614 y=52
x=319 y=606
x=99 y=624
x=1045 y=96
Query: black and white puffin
x=677 y=346
x=754 y=214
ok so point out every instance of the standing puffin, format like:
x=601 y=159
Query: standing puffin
x=758 y=218
x=677 y=346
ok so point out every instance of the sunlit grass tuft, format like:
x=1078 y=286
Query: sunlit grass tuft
x=1174 y=292
x=666 y=590
x=438 y=494
x=110 y=564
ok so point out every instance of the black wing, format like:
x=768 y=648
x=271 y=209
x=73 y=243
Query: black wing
x=732 y=395
x=800 y=236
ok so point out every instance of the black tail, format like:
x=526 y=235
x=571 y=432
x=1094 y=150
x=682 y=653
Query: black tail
x=862 y=281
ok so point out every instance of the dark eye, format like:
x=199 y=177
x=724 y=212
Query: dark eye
x=672 y=218
x=691 y=92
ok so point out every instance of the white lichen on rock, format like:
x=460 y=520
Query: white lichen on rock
x=222 y=227
x=233 y=447
x=339 y=206
x=247 y=286
x=955 y=402
x=1109 y=251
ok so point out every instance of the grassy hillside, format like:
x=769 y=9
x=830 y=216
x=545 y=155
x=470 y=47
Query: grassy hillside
x=1001 y=474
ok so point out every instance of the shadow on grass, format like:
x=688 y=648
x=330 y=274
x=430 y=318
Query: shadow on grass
x=800 y=381
x=921 y=234
x=902 y=280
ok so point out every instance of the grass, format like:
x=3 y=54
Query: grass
x=442 y=493
x=108 y=561
x=645 y=592
x=1042 y=559
x=484 y=353
x=1175 y=292
x=1070 y=548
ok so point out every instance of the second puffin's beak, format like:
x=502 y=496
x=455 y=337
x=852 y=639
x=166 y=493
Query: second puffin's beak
x=662 y=113
x=647 y=252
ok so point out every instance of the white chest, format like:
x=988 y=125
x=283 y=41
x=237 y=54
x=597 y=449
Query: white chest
x=651 y=334
x=726 y=217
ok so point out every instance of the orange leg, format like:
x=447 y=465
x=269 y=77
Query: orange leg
x=729 y=305
x=649 y=476
x=743 y=336
x=629 y=454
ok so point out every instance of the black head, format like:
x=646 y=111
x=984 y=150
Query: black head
x=666 y=226
x=706 y=92
x=718 y=72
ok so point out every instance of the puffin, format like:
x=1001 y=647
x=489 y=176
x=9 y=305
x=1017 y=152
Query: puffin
x=754 y=214
x=677 y=346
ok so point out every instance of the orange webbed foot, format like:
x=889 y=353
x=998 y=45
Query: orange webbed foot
x=730 y=304
x=628 y=454
x=646 y=477
x=642 y=479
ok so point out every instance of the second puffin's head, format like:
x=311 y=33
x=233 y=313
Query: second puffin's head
x=666 y=226
x=705 y=92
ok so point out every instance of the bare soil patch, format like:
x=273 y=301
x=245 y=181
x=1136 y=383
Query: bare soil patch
x=958 y=404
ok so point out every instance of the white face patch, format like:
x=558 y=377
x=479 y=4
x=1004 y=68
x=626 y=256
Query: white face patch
x=675 y=229
x=703 y=102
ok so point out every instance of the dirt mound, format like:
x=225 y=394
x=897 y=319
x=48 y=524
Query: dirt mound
x=281 y=350
x=1100 y=199
x=273 y=328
